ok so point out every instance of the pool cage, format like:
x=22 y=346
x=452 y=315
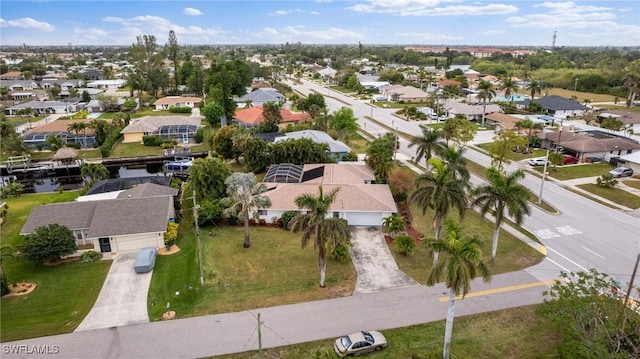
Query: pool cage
x=39 y=139
x=181 y=133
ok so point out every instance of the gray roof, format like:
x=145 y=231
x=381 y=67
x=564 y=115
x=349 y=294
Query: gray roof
x=335 y=146
x=148 y=190
x=558 y=103
x=104 y=218
x=152 y=123
x=263 y=95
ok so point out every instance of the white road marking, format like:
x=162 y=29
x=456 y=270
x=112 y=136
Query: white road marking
x=567 y=230
x=556 y=263
x=546 y=234
x=592 y=252
x=576 y=264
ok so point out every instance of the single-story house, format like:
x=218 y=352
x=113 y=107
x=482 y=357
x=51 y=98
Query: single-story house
x=107 y=84
x=327 y=72
x=176 y=101
x=473 y=111
x=65 y=85
x=252 y=117
x=260 y=96
x=558 y=106
x=588 y=144
x=21 y=96
x=630 y=120
x=336 y=148
x=46 y=107
x=360 y=201
x=176 y=127
x=501 y=121
x=37 y=137
x=404 y=93
x=12 y=75
x=19 y=85
x=128 y=223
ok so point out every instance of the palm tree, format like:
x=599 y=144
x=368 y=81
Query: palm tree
x=631 y=81
x=428 y=143
x=509 y=86
x=315 y=225
x=77 y=127
x=4 y=287
x=486 y=93
x=529 y=124
x=534 y=87
x=453 y=158
x=245 y=198
x=460 y=266
x=441 y=190
x=502 y=193
x=94 y=172
x=55 y=142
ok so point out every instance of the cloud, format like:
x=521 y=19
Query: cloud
x=301 y=34
x=428 y=37
x=566 y=15
x=430 y=8
x=314 y=13
x=285 y=12
x=28 y=23
x=191 y=11
x=493 y=32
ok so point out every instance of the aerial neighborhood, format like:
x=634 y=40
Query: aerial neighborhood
x=366 y=193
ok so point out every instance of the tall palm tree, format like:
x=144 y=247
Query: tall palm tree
x=503 y=192
x=631 y=81
x=486 y=93
x=530 y=125
x=534 y=87
x=429 y=142
x=317 y=227
x=462 y=263
x=94 y=172
x=509 y=86
x=453 y=158
x=245 y=198
x=440 y=190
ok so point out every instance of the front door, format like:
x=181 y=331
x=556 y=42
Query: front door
x=105 y=245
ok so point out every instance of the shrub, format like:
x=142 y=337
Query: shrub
x=171 y=234
x=350 y=157
x=152 y=140
x=404 y=245
x=75 y=145
x=287 y=217
x=341 y=251
x=174 y=109
x=606 y=180
x=90 y=256
x=199 y=136
x=114 y=135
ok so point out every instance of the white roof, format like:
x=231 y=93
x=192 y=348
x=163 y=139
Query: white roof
x=99 y=196
x=632 y=157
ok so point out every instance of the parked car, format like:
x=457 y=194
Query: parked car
x=621 y=172
x=568 y=159
x=359 y=343
x=537 y=162
x=145 y=260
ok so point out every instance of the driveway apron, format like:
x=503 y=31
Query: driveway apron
x=123 y=298
x=377 y=269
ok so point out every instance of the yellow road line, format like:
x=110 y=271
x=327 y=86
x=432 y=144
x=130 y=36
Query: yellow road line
x=502 y=290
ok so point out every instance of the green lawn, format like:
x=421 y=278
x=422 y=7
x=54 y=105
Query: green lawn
x=615 y=195
x=515 y=156
x=564 y=173
x=134 y=149
x=65 y=293
x=148 y=111
x=632 y=183
x=517 y=333
x=240 y=279
x=512 y=255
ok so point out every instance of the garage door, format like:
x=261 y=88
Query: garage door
x=364 y=219
x=131 y=244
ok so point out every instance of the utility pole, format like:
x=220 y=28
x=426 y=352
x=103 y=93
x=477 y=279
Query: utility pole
x=198 y=240
x=633 y=276
x=544 y=175
x=559 y=135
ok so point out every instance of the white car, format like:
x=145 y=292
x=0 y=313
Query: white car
x=621 y=172
x=537 y=162
x=359 y=343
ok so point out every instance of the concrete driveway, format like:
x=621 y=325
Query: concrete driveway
x=377 y=269
x=123 y=298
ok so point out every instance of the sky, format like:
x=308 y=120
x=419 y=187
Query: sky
x=384 y=22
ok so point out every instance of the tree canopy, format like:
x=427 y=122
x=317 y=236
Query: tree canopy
x=48 y=243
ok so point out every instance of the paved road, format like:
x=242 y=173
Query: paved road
x=283 y=325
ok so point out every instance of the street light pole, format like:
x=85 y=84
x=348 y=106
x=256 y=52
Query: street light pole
x=559 y=135
x=544 y=175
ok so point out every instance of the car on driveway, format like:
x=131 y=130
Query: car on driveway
x=537 y=162
x=145 y=260
x=621 y=172
x=359 y=343
x=569 y=160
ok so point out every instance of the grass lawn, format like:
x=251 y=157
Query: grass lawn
x=564 y=173
x=517 y=333
x=65 y=293
x=514 y=156
x=141 y=113
x=134 y=149
x=239 y=279
x=512 y=255
x=358 y=144
x=615 y=195
x=632 y=183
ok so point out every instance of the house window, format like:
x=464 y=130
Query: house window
x=262 y=212
x=336 y=214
